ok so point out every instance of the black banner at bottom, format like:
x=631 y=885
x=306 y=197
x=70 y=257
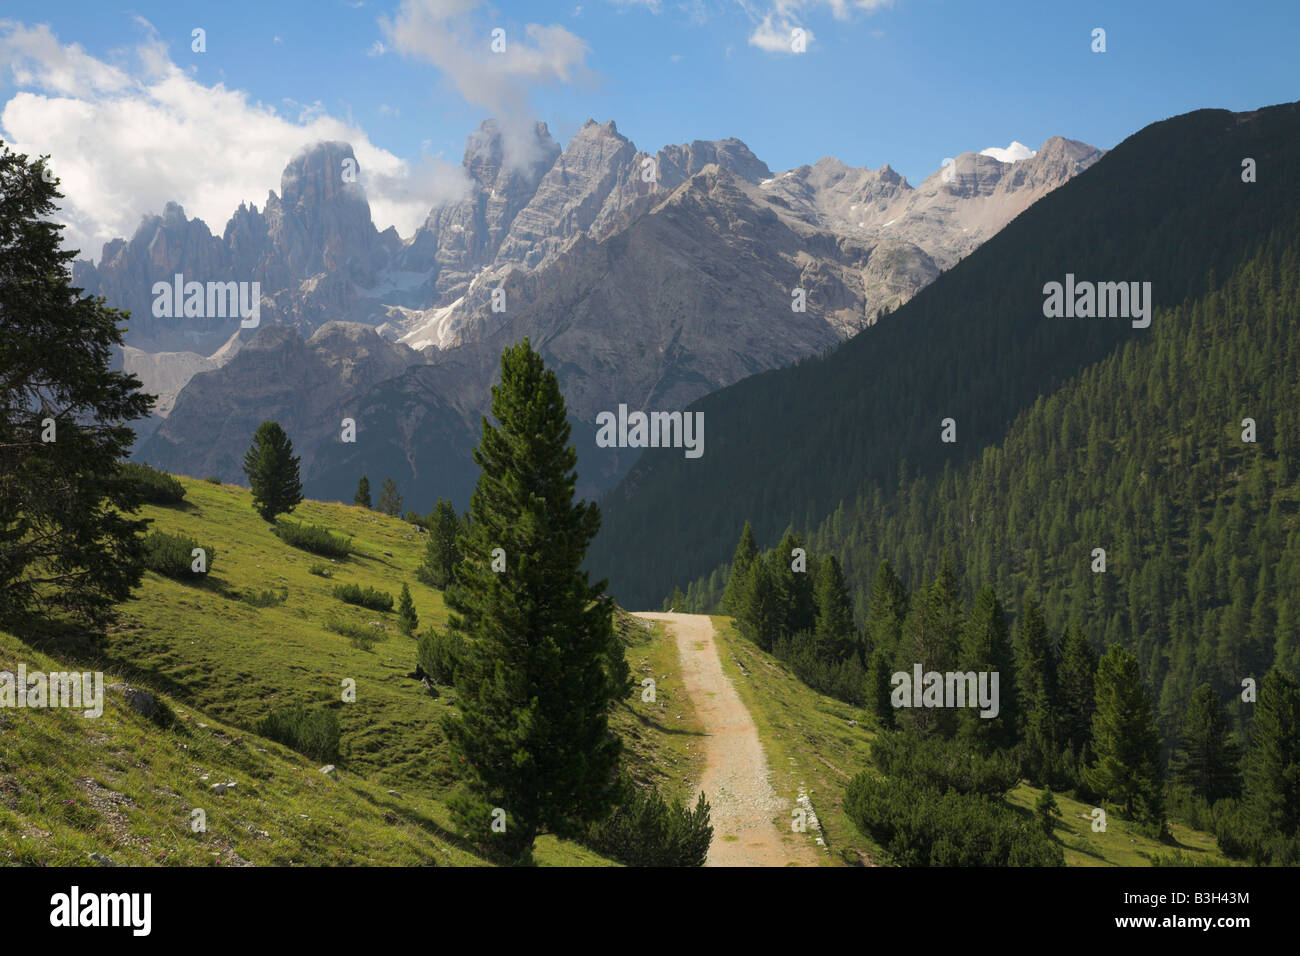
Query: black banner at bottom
x=303 y=905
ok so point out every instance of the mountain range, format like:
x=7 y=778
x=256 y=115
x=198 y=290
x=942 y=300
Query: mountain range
x=646 y=280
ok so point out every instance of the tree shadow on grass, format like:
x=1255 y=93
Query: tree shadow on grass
x=426 y=822
x=647 y=722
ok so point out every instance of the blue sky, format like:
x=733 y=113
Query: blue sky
x=906 y=82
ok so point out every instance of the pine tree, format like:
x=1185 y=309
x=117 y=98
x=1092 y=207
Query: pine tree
x=793 y=590
x=1272 y=764
x=1036 y=688
x=1047 y=810
x=390 y=502
x=66 y=540
x=1078 y=693
x=931 y=638
x=362 y=497
x=675 y=601
x=746 y=552
x=441 y=551
x=407 y=619
x=1127 y=769
x=834 y=634
x=760 y=610
x=986 y=646
x=1207 y=761
x=542 y=666
x=886 y=612
x=272 y=471
x=880 y=688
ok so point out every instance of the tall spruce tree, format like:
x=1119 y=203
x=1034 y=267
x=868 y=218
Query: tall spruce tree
x=66 y=540
x=390 y=502
x=1272 y=764
x=931 y=638
x=792 y=579
x=407 y=618
x=986 y=646
x=761 y=610
x=1207 y=760
x=1127 y=771
x=746 y=552
x=542 y=666
x=1036 y=688
x=879 y=689
x=362 y=497
x=441 y=553
x=886 y=611
x=272 y=470
x=1077 y=680
x=835 y=638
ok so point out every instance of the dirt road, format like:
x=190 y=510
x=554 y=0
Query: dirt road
x=735 y=779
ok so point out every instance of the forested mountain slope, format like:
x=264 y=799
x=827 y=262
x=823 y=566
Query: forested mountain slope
x=1167 y=206
x=1141 y=455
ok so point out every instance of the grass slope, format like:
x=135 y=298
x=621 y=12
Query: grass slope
x=815 y=744
x=663 y=740
x=123 y=788
x=226 y=662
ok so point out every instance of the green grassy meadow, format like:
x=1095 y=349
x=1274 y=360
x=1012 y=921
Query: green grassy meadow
x=125 y=787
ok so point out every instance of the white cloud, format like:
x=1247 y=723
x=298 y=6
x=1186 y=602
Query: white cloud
x=779 y=37
x=774 y=20
x=1012 y=154
x=444 y=34
x=34 y=55
x=411 y=189
x=124 y=143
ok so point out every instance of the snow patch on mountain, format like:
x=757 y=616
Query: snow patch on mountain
x=1014 y=153
x=434 y=330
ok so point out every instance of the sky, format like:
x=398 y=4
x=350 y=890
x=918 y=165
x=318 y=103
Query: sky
x=134 y=115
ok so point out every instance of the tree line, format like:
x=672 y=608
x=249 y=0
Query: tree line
x=1190 y=491
x=1068 y=719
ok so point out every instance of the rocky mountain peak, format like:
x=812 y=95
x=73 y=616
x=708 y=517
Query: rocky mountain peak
x=591 y=132
x=321 y=222
x=489 y=155
x=1058 y=152
x=315 y=177
x=173 y=214
x=677 y=163
x=271 y=337
x=597 y=162
x=889 y=175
